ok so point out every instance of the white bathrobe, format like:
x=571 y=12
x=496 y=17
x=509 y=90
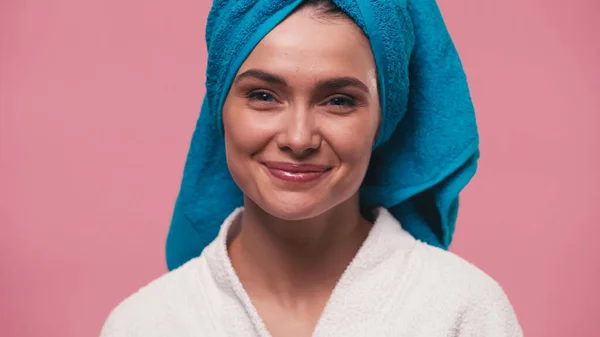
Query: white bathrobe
x=395 y=286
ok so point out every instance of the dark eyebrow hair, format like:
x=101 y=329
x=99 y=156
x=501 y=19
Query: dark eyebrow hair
x=331 y=83
x=342 y=82
x=263 y=76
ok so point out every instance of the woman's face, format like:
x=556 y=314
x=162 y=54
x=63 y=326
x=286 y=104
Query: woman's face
x=301 y=117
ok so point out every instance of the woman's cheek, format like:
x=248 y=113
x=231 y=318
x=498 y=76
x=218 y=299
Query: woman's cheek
x=248 y=131
x=351 y=139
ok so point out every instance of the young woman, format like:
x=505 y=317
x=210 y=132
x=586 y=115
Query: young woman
x=346 y=131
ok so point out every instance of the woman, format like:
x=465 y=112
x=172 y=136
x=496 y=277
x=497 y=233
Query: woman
x=346 y=131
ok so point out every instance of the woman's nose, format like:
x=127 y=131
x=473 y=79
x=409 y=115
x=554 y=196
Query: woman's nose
x=299 y=134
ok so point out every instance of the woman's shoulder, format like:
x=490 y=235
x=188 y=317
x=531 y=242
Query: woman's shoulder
x=450 y=273
x=453 y=284
x=452 y=267
x=168 y=300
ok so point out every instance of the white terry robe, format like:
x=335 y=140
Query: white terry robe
x=394 y=286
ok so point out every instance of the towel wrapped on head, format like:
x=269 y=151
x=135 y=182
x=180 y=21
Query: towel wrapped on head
x=427 y=147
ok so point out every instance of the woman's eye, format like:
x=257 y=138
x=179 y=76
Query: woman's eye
x=342 y=102
x=261 y=96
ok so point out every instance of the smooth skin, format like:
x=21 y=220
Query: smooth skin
x=307 y=94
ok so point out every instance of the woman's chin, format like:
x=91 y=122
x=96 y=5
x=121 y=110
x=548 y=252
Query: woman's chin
x=295 y=209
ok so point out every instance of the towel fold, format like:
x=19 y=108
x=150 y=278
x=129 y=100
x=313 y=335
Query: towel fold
x=427 y=147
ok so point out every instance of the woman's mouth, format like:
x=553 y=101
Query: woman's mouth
x=296 y=173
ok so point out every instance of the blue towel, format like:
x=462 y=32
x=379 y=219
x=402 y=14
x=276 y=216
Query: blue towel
x=427 y=148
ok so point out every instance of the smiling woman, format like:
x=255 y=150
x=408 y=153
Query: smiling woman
x=306 y=95
x=346 y=208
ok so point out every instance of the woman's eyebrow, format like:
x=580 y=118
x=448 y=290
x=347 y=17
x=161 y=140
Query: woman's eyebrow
x=263 y=76
x=330 y=83
x=342 y=82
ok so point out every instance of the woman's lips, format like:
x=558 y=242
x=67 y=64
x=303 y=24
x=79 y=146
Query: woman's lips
x=296 y=173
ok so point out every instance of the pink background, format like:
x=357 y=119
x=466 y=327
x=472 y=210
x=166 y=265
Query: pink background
x=98 y=100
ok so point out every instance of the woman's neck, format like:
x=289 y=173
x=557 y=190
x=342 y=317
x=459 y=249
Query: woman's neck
x=295 y=261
